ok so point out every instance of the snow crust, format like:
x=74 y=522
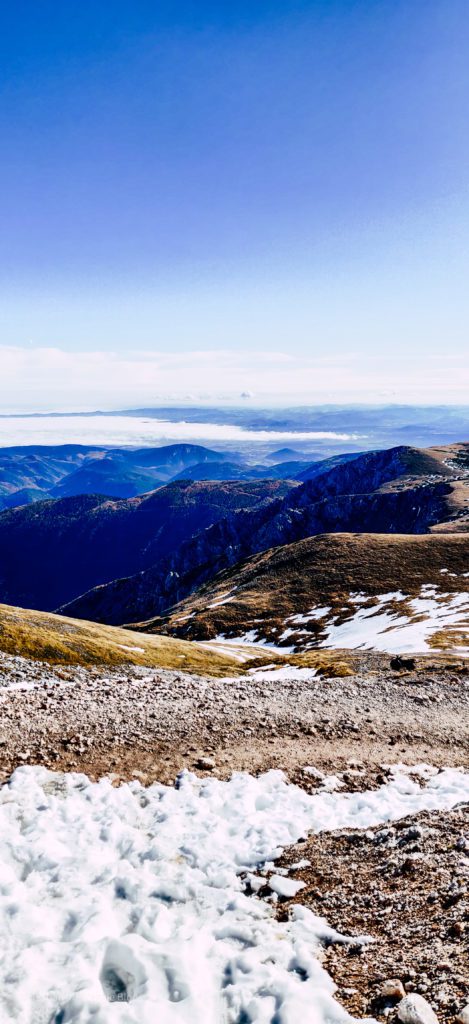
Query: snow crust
x=130 y=906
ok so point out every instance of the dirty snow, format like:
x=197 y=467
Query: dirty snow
x=129 y=905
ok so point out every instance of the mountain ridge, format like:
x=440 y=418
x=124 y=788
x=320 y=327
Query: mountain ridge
x=54 y=550
x=290 y=595
x=417 y=501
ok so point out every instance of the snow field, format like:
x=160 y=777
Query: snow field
x=129 y=905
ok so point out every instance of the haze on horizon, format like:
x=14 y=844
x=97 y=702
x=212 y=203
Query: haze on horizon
x=207 y=201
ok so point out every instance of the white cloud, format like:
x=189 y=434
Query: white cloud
x=140 y=430
x=55 y=379
x=46 y=379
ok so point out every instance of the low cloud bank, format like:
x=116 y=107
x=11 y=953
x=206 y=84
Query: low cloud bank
x=136 y=430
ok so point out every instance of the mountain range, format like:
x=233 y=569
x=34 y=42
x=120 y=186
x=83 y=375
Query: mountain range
x=135 y=559
x=52 y=551
x=401 y=490
x=35 y=473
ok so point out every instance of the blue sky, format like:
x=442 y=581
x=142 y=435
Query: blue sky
x=205 y=198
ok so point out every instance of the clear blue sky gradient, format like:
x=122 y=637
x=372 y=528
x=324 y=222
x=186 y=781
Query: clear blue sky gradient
x=278 y=176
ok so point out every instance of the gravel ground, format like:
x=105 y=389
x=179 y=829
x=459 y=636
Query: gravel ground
x=156 y=722
x=407 y=886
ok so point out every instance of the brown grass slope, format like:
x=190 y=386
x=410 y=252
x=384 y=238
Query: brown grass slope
x=57 y=640
x=319 y=571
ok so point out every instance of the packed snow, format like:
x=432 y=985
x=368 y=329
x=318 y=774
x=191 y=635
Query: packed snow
x=313 y=615
x=283 y=673
x=133 y=906
x=223 y=598
x=240 y=652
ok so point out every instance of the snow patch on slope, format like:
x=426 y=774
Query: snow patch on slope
x=399 y=625
x=393 y=622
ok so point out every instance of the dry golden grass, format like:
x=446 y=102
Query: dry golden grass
x=58 y=640
x=327 y=663
x=449 y=639
x=62 y=641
